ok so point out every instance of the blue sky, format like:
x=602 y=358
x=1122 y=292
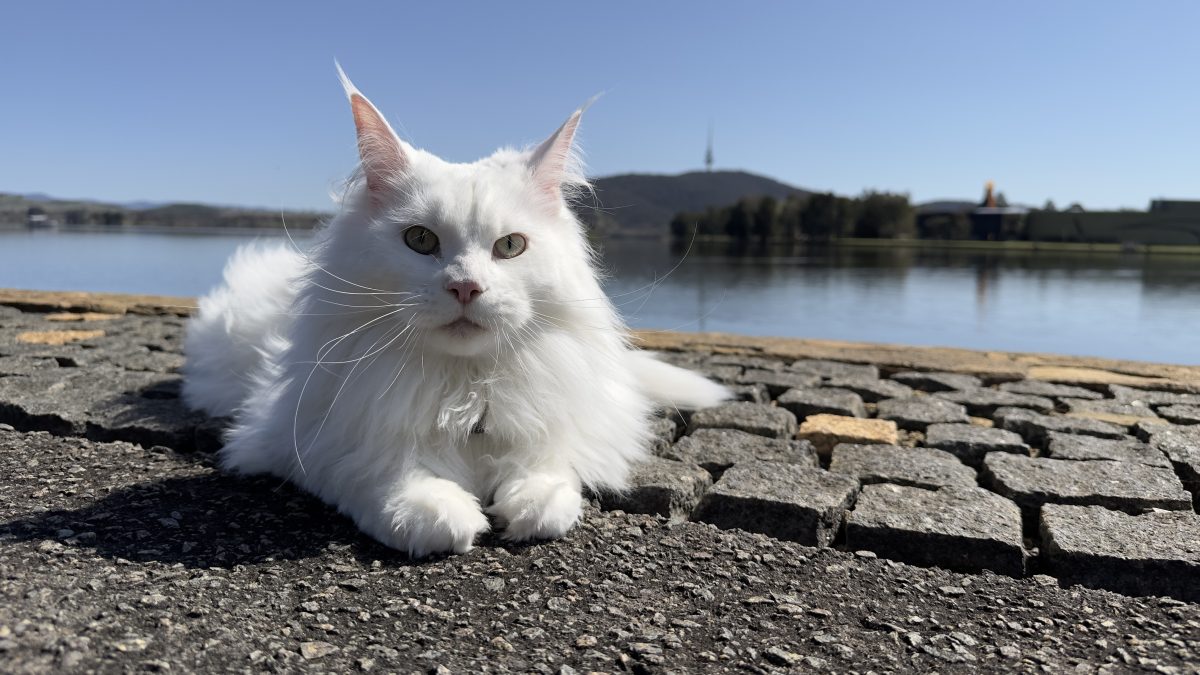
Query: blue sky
x=238 y=103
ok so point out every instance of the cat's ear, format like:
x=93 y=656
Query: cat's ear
x=554 y=162
x=384 y=156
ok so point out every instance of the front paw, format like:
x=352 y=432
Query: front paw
x=537 y=507
x=434 y=516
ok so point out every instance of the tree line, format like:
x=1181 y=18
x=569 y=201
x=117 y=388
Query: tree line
x=875 y=215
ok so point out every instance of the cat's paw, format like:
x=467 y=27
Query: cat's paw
x=434 y=516
x=537 y=507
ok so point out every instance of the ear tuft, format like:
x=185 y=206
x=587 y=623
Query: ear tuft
x=381 y=152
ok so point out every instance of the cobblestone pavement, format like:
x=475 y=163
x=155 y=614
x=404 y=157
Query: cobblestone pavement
x=842 y=517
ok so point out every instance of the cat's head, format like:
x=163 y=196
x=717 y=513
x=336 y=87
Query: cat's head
x=482 y=254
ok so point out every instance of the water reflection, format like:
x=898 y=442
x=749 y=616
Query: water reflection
x=1118 y=305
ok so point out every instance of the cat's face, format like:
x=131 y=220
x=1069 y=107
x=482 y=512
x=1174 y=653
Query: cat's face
x=489 y=251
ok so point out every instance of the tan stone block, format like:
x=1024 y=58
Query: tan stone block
x=81 y=316
x=57 y=337
x=826 y=431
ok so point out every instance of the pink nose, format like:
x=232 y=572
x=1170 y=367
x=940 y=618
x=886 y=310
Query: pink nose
x=465 y=291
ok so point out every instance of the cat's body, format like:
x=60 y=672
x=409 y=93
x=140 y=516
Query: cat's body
x=442 y=350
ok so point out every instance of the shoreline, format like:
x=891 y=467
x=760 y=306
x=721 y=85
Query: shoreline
x=993 y=365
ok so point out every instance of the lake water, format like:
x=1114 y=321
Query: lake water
x=1115 y=305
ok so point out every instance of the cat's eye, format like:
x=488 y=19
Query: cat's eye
x=421 y=239
x=510 y=246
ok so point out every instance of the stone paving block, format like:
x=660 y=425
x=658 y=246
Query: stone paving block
x=916 y=467
x=661 y=486
x=826 y=431
x=1180 y=414
x=722 y=374
x=1123 y=413
x=985 y=402
x=1126 y=486
x=755 y=418
x=102 y=403
x=870 y=390
x=745 y=361
x=1182 y=447
x=1156 y=553
x=778 y=382
x=914 y=414
x=1033 y=426
x=1152 y=397
x=751 y=393
x=1090 y=448
x=938 y=381
x=1048 y=389
x=816 y=400
x=970 y=443
x=967 y=529
x=718 y=449
x=832 y=369
x=665 y=430
x=786 y=501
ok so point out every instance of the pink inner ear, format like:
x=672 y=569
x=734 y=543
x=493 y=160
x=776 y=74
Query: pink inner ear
x=550 y=158
x=380 y=151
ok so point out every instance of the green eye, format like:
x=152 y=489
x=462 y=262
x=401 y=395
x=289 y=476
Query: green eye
x=510 y=246
x=421 y=239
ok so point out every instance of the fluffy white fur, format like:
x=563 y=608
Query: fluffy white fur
x=343 y=375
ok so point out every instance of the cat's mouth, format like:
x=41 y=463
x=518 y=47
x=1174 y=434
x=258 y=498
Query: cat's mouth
x=462 y=327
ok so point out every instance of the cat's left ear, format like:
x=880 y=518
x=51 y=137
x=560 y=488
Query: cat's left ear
x=553 y=163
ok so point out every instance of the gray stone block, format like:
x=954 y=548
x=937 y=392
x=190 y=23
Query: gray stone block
x=1182 y=447
x=1152 y=397
x=718 y=449
x=778 y=382
x=101 y=402
x=1180 y=414
x=754 y=418
x=806 y=401
x=661 y=486
x=1156 y=553
x=1033 y=426
x=1115 y=409
x=938 y=381
x=916 y=467
x=722 y=374
x=665 y=430
x=835 y=369
x=745 y=361
x=914 y=414
x=1049 y=389
x=985 y=402
x=967 y=529
x=1088 y=448
x=751 y=393
x=969 y=443
x=786 y=501
x=1034 y=481
x=870 y=390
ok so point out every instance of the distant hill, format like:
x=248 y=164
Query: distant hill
x=626 y=205
x=14 y=210
x=642 y=205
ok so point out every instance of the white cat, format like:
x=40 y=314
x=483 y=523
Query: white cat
x=444 y=345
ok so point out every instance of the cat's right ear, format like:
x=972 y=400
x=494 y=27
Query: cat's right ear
x=383 y=155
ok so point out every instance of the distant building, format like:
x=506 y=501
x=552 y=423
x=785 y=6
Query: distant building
x=36 y=218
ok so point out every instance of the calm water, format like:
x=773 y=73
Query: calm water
x=1121 y=306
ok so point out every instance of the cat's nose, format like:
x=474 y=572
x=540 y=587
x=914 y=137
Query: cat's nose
x=465 y=291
